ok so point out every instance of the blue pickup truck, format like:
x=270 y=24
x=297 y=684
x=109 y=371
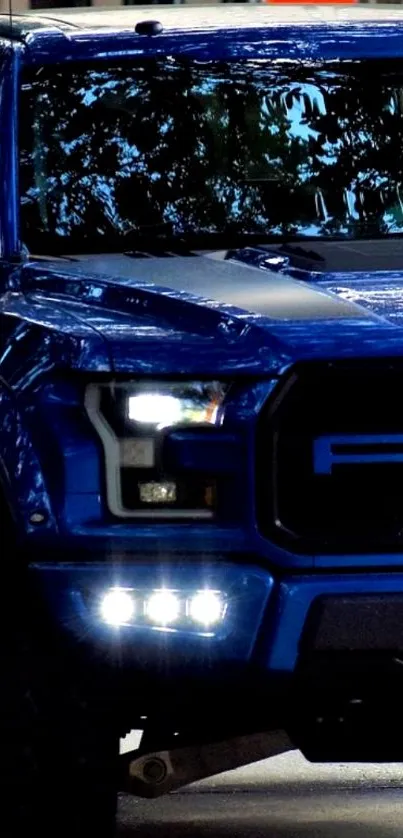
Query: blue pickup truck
x=201 y=410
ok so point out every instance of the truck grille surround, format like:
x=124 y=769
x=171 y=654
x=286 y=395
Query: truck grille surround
x=349 y=500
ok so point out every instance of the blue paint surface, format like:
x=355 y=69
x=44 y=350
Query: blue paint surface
x=248 y=320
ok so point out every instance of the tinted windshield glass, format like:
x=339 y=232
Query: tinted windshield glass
x=252 y=147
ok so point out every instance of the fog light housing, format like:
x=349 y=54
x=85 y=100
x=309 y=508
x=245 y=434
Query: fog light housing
x=91 y=598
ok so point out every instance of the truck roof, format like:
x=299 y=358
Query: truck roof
x=210 y=17
x=204 y=32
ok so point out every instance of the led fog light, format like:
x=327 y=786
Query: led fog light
x=163 y=608
x=206 y=608
x=118 y=607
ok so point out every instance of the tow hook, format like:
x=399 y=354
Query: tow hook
x=155 y=774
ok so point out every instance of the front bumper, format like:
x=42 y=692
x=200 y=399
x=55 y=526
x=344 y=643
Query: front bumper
x=318 y=655
x=265 y=624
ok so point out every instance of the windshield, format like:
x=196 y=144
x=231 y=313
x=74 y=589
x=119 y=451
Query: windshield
x=276 y=150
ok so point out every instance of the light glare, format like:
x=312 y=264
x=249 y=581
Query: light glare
x=163 y=608
x=117 y=607
x=206 y=607
x=155 y=409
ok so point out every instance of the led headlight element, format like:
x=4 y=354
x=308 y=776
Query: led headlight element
x=164 y=411
x=176 y=404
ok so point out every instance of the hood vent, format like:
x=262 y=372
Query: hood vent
x=302 y=257
x=160 y=253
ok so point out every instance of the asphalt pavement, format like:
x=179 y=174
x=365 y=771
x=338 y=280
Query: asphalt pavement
x=284 y=797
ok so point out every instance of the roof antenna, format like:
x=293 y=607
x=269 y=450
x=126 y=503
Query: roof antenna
x=10 y=12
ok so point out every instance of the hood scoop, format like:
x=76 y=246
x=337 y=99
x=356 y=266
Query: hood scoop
x=303 y=258
x=150 y=241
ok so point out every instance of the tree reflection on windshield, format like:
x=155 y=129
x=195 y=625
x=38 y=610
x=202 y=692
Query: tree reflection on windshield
x=280 y=150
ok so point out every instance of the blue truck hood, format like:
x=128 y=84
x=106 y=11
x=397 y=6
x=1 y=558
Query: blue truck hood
x=246 y=311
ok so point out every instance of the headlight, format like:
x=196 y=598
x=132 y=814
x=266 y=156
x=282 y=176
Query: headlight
x=166 y=411
x=132 y=421
x=154 y=409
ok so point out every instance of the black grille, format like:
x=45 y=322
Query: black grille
x=351 y=506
